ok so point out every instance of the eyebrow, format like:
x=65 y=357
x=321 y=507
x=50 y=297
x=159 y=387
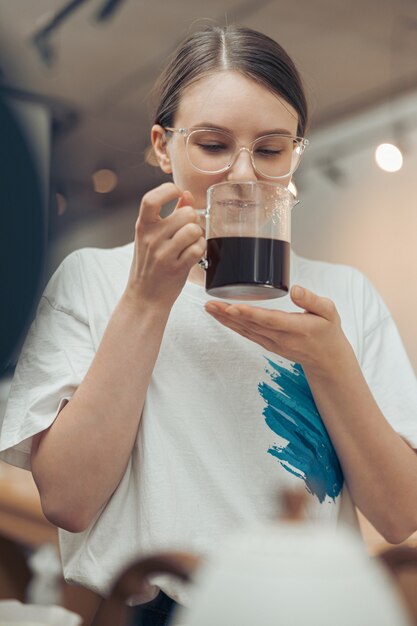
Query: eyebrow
x=272 y=131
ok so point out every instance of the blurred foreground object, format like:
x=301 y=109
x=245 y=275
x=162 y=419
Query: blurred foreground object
x=297 y=574
x=22 y=233
x=291 y=571
x=45 y=585
x=133 y=582
x=13 y=612
x=402 y=564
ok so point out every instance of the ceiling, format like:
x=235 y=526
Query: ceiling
x=352 y=54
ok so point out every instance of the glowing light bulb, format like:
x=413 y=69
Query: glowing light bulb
x=388 y=157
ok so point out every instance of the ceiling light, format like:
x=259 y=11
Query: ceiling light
x=388 y=157
x=104 y=181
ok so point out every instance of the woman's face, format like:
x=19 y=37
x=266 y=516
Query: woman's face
x=229 y=101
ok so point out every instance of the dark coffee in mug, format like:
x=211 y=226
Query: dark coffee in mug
x=248 y=232
x=247 y=267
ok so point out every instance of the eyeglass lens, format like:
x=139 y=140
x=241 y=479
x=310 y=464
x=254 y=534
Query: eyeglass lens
x=274 y=156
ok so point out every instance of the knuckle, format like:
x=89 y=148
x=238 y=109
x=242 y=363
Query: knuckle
x=274 y=323
x=140 y=229
x=147 y=199
x=181 y=217
x=151 y=242
x=189 y=214
x=195 y=230
x=203 y=243
x=147 y=238
x=158 y=255
x=170 y=186
x=189 y=232
x=330 y=306
x=193 y=253
x=200 y=247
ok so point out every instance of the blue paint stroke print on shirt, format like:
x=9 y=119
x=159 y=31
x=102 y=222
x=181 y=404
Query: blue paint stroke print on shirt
x=291 y=413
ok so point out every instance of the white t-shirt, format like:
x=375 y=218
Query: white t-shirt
x=225 y=425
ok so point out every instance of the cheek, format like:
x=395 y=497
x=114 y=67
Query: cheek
x=189 y=179
x=285 y=181
x=199 y=185
x=282 y=181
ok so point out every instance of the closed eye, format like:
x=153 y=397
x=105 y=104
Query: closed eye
x=269 y=152
x=212 y=147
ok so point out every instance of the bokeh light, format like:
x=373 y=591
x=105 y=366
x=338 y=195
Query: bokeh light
x=388 y=157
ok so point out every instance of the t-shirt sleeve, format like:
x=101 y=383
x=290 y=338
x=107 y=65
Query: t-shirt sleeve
x=54 y=359
x=387 y=368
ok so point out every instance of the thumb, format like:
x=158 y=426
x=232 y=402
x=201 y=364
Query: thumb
x=312 y=303
x=186 y=199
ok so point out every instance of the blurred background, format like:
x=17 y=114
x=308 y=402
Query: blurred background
x=81 y=74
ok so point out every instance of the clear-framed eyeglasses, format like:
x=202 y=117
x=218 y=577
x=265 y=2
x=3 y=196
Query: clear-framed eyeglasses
x=214 y=151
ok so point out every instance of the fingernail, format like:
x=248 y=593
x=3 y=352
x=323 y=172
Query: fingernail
x=231 y=310
x=298 y=292
x=211 y=308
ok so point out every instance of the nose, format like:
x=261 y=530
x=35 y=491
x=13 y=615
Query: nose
x=242 y=168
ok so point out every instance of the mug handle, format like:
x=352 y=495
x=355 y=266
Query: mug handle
x=203 y=262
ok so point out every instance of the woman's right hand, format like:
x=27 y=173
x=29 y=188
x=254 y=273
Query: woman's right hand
x=165 y=248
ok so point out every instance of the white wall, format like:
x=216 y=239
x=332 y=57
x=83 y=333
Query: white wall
x=369 y=220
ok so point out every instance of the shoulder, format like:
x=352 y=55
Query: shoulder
x=325 y=277
x=97 y=260
x=347 y=286
x=85 y=274
x=332 y=280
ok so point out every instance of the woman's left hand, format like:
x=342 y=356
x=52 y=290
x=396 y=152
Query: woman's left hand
x=313 y=338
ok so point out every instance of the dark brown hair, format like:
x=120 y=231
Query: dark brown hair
x=231 y=48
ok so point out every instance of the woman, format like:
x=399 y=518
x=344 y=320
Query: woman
x=147 y=417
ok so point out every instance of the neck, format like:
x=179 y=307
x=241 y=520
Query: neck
x=197 y=275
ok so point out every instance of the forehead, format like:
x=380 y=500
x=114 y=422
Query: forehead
x=236 y=102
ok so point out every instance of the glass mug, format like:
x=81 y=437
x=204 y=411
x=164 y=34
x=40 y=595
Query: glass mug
x=248 y=232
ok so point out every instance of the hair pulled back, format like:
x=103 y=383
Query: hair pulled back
x=250 y=52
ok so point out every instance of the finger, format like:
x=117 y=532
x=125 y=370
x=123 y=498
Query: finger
x=186 y=199
x=257 y=332
x=185 y=237
x=193 y=253
x=236 y=323
x=264 y=318
x=153 y=201
x=248 y=332
x=177 y=219
x=228 y=321
x=311 y=302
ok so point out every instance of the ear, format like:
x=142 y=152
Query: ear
x=160 y=146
